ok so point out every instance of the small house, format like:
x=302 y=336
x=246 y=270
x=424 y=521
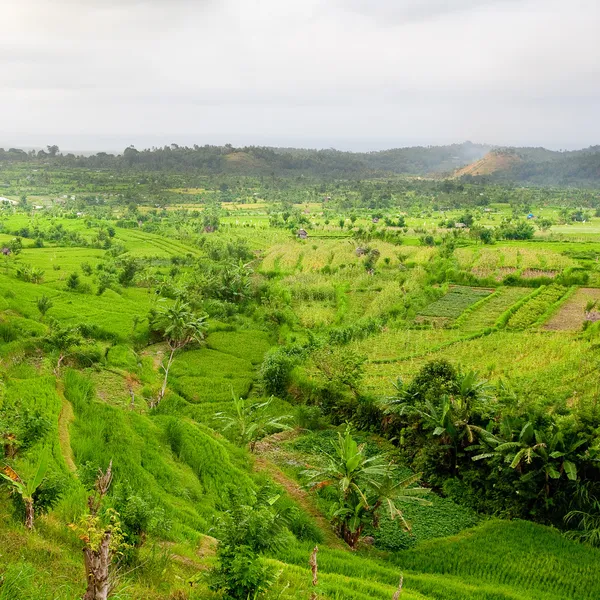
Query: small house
x=302 y=234
x=459 y=225
x=375 y=220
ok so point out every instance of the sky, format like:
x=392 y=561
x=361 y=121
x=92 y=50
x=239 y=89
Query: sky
x=350 y=74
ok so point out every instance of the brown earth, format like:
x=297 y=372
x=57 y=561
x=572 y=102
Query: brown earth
x=490 y=163
x=571 y=315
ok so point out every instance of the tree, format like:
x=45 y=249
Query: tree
x=15 y=246
x=103 y=540
x=544 y=224
x=339 y=368
x=363 y=487
x=243 y=533
x=53 y=150
x=73 y=282
x=27 y=490
x=178 y=326
x=62 y=339
x=251 y=421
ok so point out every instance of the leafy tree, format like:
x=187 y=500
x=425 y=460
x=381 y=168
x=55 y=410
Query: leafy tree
x=363 y=487
x=515 y=231
x=73 y=282
x=339 y=368
x=15 y=246
x=535 y=454
x=63 y=340
x=544 y=224
x=243 y=533
x=178 y=326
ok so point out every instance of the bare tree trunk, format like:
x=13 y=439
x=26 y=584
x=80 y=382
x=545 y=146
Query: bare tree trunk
x=132 y=403
x=29 y=513
x=314 y=567
x=163 y=389
x=396 y=595
x=97 y=570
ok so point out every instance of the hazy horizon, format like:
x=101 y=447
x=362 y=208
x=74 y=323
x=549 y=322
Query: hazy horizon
x=116 y=145
x=351 y=74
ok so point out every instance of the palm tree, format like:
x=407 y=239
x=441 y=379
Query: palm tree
x=27 y=490
x=364 y=485
x=179 y=326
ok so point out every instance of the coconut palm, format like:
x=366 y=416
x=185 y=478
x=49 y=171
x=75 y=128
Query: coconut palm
x=179 y=326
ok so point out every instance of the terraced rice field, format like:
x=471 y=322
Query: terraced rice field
x=454 y=302
x=571 y=315
x=486 y=315
x=535 y=309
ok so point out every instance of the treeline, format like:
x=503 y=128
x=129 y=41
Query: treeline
x=256 y=160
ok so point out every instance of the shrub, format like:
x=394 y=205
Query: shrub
x=275 y=372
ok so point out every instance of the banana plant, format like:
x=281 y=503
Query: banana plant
x=27 y=489
x=363 y=485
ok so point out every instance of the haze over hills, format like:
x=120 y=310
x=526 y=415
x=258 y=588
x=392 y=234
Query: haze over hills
x=537 y=166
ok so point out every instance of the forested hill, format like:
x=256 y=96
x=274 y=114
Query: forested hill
x=255 y=160
x=537 y=166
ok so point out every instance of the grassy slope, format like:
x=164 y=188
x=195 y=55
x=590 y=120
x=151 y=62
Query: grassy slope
x=188 y=469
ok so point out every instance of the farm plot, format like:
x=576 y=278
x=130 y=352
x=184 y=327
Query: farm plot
x=535 y=308
x=572 y=314
x=503 y=259
x=397 y=345
x=486 y=315
x=210 y=376
x=454 y=302
x=549 y=366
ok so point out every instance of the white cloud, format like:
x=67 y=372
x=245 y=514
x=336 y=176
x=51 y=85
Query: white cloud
x=401 y=71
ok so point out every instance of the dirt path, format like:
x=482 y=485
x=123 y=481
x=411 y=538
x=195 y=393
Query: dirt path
x=262 y=462
x=65 y=418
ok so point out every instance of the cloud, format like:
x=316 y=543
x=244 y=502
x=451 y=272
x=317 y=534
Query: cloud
x=394 y=11
x=504 y=71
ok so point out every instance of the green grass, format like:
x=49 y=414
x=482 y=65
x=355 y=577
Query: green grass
x=210 y=376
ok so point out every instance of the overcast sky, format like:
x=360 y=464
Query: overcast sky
x=350 y=74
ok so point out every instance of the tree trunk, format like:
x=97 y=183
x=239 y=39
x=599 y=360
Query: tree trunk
x=163 y=389
x=351 y=537
x=29 y=513
x=396 y=595
x=97 y=570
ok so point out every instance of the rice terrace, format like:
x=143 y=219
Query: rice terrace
x=249 y=373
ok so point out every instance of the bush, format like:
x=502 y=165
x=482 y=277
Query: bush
x=275 y=372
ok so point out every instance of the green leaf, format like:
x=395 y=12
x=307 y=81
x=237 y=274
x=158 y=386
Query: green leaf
x=34 y=484
x=553 y=472
x=570 y=470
